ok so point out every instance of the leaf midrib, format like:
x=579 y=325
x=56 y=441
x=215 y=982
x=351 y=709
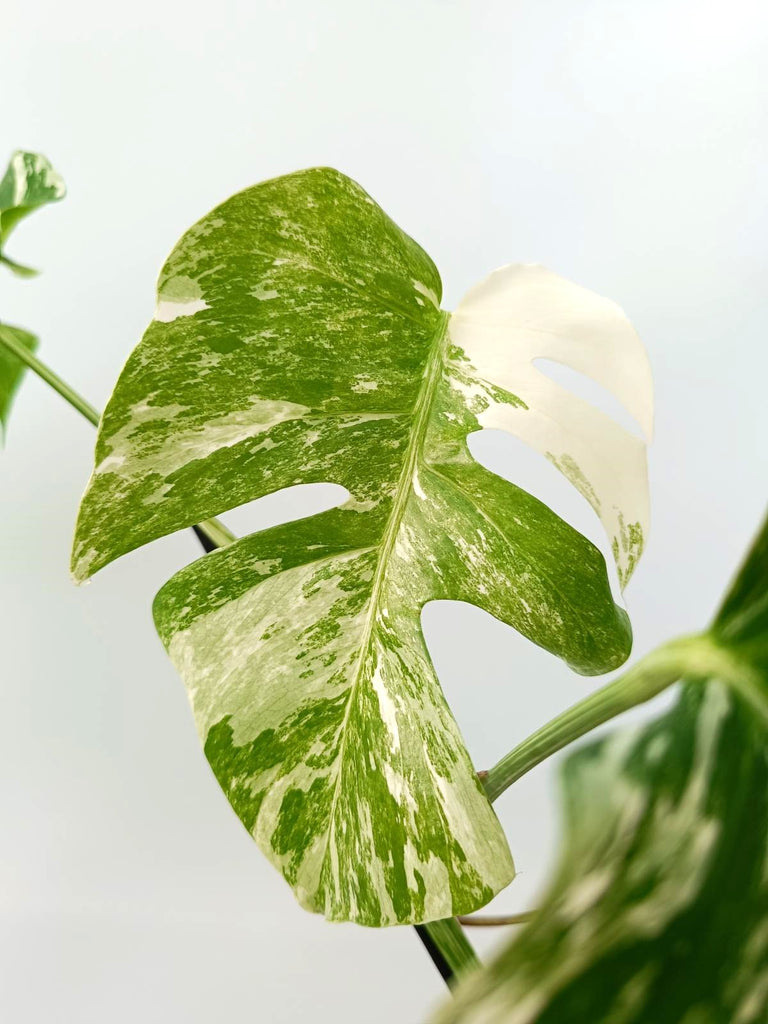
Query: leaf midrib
x=421 y=411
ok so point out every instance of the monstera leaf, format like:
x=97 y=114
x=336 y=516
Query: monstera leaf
x=298 y=338
x=28 y=183
x=11 y=369
x=659 y=910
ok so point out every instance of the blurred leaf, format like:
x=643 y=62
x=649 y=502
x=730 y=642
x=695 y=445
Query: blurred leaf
x=18 y=268
x=29 y=182
x=659 y=909
x=298 y=338
x=11 y=370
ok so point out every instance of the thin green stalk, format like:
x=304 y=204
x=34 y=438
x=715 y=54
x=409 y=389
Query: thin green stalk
x=495 y=920
x=45 y=373
x=217 y=532
x=453 y=954
x=654 y=673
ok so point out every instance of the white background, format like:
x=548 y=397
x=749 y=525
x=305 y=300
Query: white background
x=621 y=144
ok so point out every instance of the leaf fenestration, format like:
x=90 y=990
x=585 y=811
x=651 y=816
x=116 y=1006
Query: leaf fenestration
x=298 y=338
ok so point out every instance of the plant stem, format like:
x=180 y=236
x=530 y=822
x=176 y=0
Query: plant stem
x=494 y=920
x=450 y=949
x=217 y=532
x=654 y=673
x=45 y=373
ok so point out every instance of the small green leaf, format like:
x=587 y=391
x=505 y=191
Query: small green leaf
x=298 y=338
x=28 y=183
x=11 y=371
x=659 y=909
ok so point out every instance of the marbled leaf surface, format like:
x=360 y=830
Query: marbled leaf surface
x=659 y=910
x=298 y=338
x=29 y=182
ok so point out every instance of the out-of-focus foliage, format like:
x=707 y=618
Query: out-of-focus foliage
x=659 y=909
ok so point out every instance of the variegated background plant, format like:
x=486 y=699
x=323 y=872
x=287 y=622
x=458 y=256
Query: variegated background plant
x=658 y=911
x=298 y=338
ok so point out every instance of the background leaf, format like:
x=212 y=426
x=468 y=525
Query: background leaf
x=29 y=182
x=11 y=371
x=659 y=909
x=298 y=338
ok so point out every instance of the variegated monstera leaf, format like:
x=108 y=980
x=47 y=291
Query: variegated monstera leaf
x=659 y=910
x=29 y=182
x=298 y=338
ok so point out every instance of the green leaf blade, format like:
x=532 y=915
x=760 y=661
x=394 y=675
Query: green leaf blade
x=299 y=339
x=742 y=620
x=28 y=183
x=12 y=371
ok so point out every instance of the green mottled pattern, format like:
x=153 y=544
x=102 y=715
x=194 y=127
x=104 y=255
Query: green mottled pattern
x=659 y=910
x=11 y=371
x=298 y=338
x=29 y=182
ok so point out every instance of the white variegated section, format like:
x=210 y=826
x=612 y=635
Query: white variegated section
x=186 y=445
x=524 y=312
x=260 y=613
x=170 y=309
